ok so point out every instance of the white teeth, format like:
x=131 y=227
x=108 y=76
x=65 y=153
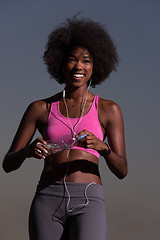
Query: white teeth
x=78 y=75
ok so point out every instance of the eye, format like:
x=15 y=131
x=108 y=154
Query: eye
x=70 y=59
x=87 y=61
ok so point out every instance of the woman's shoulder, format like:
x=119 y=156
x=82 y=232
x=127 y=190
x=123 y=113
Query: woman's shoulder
x=108 y=105
x=108 y=111
x=43 y=104
x=37 y=105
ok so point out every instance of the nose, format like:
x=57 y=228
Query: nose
x=78 y=65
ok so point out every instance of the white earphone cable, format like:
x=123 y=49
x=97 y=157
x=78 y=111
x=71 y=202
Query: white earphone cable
x=73 y=128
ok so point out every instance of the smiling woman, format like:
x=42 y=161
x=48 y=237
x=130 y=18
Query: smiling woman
x=78 y=67
x=84 y=33
x=73 y=124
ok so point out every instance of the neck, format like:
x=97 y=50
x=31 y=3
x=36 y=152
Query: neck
x=76 y=94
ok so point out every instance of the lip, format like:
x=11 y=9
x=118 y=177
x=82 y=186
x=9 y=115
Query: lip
x=78 y=75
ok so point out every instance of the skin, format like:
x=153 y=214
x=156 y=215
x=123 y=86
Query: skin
x=83 y=166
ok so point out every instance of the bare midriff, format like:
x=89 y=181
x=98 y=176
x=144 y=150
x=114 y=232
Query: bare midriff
x=80 y=167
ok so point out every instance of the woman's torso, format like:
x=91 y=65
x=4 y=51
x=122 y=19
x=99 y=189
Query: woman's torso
x=81 y=165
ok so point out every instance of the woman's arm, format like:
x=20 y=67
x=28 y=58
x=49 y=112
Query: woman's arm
x=116 y=160
x=111 y=119
x=21 y=148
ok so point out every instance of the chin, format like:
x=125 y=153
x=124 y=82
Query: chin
x=76 y=84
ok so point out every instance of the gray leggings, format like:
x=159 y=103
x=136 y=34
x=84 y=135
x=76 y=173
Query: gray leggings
x=50 y=219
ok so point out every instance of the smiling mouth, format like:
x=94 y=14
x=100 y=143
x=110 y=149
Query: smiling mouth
x=78 y=75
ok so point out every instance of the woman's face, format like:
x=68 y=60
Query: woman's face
x=78 y=67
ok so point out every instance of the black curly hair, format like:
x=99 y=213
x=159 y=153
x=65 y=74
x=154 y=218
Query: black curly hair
x=86 y=33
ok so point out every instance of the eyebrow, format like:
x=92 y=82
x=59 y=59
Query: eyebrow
x=87 y=57
x=72 y=55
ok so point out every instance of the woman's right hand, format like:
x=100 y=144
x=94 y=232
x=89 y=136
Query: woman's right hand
x=36 y=149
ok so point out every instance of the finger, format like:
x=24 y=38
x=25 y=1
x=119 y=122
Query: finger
x=90 y=137
x=83 y=132
x=90 y=141
x=40 y=148
x=39 y=151
x=88 y=133
x=90 y=144
x=39 y=154
x=34 y=150
x=41 y=140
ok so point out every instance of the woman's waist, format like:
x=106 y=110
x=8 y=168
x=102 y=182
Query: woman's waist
x=75 y=170
x=74 y=177
x=58 y=189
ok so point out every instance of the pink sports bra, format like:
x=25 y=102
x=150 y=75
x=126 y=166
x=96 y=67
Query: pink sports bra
x=58 y=125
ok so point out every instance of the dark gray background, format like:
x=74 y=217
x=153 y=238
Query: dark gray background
x=132 y=204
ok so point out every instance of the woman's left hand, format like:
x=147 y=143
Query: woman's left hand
x=91 y=141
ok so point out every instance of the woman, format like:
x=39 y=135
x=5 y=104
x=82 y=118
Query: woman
x=69 y=200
